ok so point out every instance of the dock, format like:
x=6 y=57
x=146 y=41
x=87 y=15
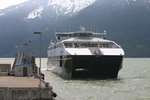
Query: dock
x=23 y=81
x=24 y=88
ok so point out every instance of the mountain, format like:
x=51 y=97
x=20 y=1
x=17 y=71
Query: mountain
x=18 y=23
x=126 y=22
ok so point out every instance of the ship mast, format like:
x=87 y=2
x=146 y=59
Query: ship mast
x=82 y=28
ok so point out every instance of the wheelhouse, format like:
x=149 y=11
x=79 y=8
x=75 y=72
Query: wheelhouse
x=81 y=34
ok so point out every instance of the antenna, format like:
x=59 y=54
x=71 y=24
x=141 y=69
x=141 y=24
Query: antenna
x=82 y=28
x=94 y=24
x=96 y=29
x=81 y=24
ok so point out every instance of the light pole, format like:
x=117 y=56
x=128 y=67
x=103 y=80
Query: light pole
x=26 y=47
x=40 y=56
x=29 y=47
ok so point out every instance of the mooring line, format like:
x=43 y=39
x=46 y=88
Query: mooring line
x=59 y=97
x=37 y=94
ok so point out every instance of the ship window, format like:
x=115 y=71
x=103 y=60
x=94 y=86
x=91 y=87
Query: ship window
x=72 y=35
x=68 y=45
x=113 y=45
x=104 y=45
x=99 y=35
x=77 y=45
x=58 y=35
x=83 y=34
x=108 y=45
x=88 y=45
x=96 y=45
x=85 y=45
x=91 y=45
x=64 y=35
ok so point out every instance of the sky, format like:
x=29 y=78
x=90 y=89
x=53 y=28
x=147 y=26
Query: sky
x=6 y=3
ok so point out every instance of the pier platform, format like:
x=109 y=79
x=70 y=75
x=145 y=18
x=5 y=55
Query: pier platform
x=22 y=81
x=24 y=88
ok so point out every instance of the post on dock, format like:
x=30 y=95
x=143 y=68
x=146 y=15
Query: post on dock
x=40 y=56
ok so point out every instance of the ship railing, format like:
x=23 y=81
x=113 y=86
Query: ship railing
x=19 y=59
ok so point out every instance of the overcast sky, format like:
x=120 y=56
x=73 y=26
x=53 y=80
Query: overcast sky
x=7 y=3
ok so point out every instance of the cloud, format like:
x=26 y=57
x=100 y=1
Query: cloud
x=7 y=3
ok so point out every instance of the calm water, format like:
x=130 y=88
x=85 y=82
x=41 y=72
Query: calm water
x=133 y=83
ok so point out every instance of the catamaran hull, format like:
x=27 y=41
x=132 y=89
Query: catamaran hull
x=84 y=66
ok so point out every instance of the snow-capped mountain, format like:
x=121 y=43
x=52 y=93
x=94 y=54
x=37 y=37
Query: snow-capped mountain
x=59 y=7
x=126 y=22
x=70 y=5
x=17 y=23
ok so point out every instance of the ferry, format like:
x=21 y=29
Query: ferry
x=84 y=54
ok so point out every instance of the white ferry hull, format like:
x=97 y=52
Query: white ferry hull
x=86 y=66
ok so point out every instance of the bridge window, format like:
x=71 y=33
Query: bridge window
x=83 y=34
x=64 y=35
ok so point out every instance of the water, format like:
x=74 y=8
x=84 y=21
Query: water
x=133 y=83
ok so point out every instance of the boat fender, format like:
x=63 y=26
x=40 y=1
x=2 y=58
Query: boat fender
x=54 y=94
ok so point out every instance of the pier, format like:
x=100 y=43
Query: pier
x=24 y=81
x=24 y=88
